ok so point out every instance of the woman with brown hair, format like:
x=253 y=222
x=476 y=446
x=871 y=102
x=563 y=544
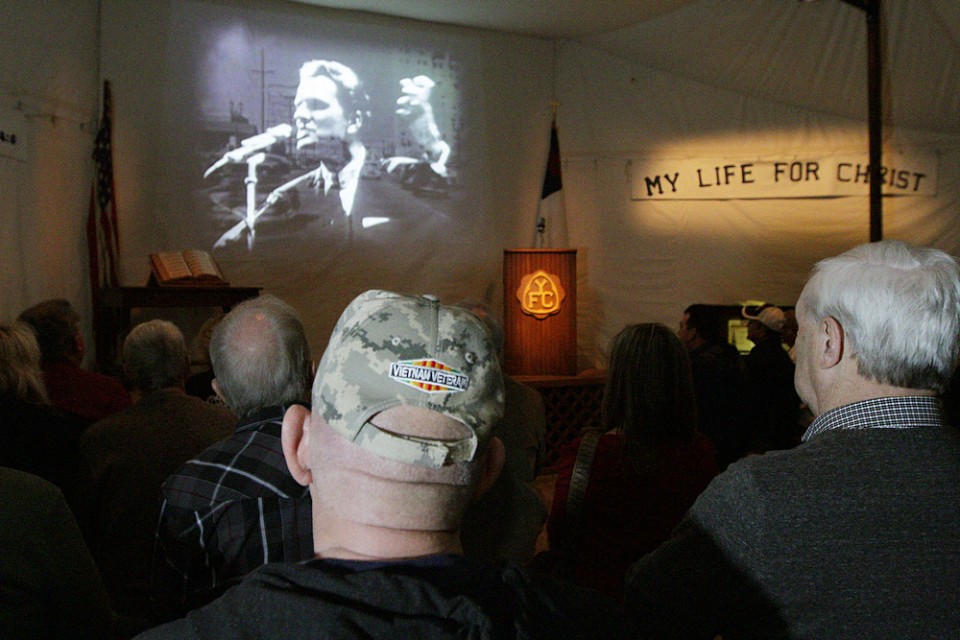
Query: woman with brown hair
x=650 y=463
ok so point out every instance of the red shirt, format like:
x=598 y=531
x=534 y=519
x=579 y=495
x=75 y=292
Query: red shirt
x=89 y=395
x=625 y=514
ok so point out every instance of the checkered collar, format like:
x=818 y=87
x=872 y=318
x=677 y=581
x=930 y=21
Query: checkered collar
x=902 y=412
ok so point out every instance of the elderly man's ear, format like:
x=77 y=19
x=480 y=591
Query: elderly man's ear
x=215 y=385
x=295 y=440
x=832 y=337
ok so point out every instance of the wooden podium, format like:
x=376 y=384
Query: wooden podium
x=540 y=311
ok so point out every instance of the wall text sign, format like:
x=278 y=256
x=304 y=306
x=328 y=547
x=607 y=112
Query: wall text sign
x=910 y=174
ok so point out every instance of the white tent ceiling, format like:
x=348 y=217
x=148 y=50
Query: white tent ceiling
x=543 y=18
x=795 y=51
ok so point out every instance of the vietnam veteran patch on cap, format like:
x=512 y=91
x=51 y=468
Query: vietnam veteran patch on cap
x=430 y=375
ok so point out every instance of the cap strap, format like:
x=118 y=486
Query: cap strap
x=415 y=450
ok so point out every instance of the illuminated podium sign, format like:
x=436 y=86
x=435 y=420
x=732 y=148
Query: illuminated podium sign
x=540 y=311
x=540 y=294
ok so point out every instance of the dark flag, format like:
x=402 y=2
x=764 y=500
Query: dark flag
x=551 y=215
x=103 y=244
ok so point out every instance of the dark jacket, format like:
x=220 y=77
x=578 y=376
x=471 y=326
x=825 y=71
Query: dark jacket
x=771 y=404
x=433 y=597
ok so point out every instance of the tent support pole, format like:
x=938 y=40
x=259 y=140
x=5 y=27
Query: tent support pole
x=875 y=112
x=875 y=91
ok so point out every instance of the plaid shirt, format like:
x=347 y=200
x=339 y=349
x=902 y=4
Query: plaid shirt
x=227 y=511
x=902 y=412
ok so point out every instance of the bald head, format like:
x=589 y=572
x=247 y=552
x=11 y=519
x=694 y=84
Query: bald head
x=260 y=356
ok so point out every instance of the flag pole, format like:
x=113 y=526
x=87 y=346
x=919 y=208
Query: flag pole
x=103 y=242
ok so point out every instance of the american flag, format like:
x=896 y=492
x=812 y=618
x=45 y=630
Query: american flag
x=103 y=242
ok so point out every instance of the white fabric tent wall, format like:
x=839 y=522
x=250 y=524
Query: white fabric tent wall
x=48 y=85
x=810 y=55
x=724 y=79
x=711 y=78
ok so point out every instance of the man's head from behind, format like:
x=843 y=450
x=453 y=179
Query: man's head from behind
x=891 y=308
x=405 y=402
x=260 y=356
x=155 y=356
x=57 y=327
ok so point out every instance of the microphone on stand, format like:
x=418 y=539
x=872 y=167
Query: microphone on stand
x=252 y=145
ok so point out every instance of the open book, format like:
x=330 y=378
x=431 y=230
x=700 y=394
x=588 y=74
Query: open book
x=190 y=268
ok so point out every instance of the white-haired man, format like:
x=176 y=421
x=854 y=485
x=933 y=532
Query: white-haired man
x=405 y=403
x=856 y=532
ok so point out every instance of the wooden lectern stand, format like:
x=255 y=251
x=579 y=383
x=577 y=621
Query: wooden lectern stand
x=540 y=311
x=116 y=304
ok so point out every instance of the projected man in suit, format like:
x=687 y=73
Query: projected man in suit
x=329 y=109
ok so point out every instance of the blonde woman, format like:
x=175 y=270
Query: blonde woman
x=34 y=436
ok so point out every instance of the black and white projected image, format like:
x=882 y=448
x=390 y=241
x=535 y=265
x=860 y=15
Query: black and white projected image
x=316 y=156
x=336 y=155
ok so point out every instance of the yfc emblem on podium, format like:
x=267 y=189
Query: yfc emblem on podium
x=540 y=294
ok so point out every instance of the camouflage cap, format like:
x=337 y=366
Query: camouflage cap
x=389 y=350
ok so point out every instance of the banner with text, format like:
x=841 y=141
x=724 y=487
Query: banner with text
x=913 y=173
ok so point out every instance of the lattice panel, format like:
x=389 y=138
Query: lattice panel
x=572 y=405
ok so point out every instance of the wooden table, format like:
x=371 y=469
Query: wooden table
x=116 y=304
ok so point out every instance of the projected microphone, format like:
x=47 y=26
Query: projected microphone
x=252 y=145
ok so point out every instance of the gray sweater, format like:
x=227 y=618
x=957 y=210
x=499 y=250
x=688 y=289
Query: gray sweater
x=854 y=534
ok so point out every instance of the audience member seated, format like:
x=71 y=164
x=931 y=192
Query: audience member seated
x=856 y=532
x=235 y=505
x=718 y=376
x=89 y=395
x=789 y=337
x=503 y=524
x=406 y=399
x=789 y=334
x=771 y=407
x=49 y=585
x=34 y=437
x=649 y=466
x=200 y=381
x=125 y=458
